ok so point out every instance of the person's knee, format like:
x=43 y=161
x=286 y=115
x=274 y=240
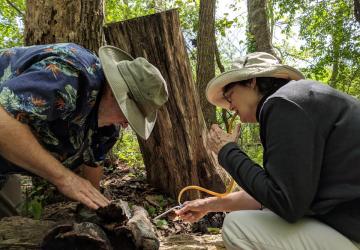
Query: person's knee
x=234 y=230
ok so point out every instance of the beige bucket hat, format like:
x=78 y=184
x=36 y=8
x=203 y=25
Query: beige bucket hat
x=258 y=64
x=138 y=86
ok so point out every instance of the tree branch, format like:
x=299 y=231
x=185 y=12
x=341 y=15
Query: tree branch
x=16 y=8
x=218 y=59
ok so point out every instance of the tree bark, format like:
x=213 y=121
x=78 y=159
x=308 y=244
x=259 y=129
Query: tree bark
x=336 y=51
x=176 y=154
x=23 y=233
x=205 y=69
x=55 y=21
x=221 y=67
x=84 y=235
x=357 y=10
x=259 y=30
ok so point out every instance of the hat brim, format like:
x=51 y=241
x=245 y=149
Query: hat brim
x=109 y=57
x=214 y=89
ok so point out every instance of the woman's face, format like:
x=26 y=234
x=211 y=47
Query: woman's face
x=243 y=100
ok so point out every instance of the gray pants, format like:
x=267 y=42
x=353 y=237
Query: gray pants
x=10 y=196
x=262 y=229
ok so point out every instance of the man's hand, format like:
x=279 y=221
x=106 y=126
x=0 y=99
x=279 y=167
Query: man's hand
x=194 y=210
x=217 y=138
x=19 y=146
x=80 y=189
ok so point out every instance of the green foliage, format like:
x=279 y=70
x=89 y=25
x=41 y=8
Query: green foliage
x=250 y=43
x=127 y=149
x=32 y=208
x=330 y=40
x=250 y=142
x=151 y=210
x=118 y=10
x=224 y=23
x=161 y=201
x=11 y=23
x=162 y=224
x=213 y=230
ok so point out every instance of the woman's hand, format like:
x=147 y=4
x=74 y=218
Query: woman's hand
x=218 y=138
x=194 y=210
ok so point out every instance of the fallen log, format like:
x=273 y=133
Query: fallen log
x=84 y=235
x=142 y=230
x=113 y=227
x=23 y=233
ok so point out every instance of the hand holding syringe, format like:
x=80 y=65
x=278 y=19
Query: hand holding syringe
x=229 y=189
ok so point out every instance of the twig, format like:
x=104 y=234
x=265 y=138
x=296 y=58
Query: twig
x=15 y=7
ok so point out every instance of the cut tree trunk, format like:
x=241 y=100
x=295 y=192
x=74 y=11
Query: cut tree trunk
x=176 y=155
x=205 y=69
x=54 y=21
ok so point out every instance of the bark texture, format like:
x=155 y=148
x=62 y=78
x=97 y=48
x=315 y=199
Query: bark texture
x=56 y=21
x=205 y=70
x=259 y=30
x=357 y=10
x=176 y=154
x=22 y=233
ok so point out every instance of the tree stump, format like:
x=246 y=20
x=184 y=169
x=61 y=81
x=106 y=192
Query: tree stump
x=176 y=155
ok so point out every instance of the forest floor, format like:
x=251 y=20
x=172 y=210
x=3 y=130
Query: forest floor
x=129 y=184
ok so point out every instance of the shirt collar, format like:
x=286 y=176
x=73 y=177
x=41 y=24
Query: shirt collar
x=259 y=106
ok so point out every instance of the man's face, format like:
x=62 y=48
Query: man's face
x=110 y=112
x=116 y=116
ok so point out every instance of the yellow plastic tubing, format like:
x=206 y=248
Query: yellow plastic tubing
x=229 y=188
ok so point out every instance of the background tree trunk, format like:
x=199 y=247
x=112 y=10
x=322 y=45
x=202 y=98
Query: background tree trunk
x=205 y=69
x=54 y=21
x=259 y=30
x=176 y=154
x=357 y=10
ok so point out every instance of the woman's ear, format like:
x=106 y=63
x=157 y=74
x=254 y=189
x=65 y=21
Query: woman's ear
x=253 y=83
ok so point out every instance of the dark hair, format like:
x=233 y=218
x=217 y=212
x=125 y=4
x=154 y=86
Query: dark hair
x=266 y=85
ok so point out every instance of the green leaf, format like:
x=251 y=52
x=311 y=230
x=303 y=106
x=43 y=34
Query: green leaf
x=163 y=224
x=213 y=230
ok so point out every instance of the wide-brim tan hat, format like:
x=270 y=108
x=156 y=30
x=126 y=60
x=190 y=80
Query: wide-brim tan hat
x=258 y=64
x=138 y=87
